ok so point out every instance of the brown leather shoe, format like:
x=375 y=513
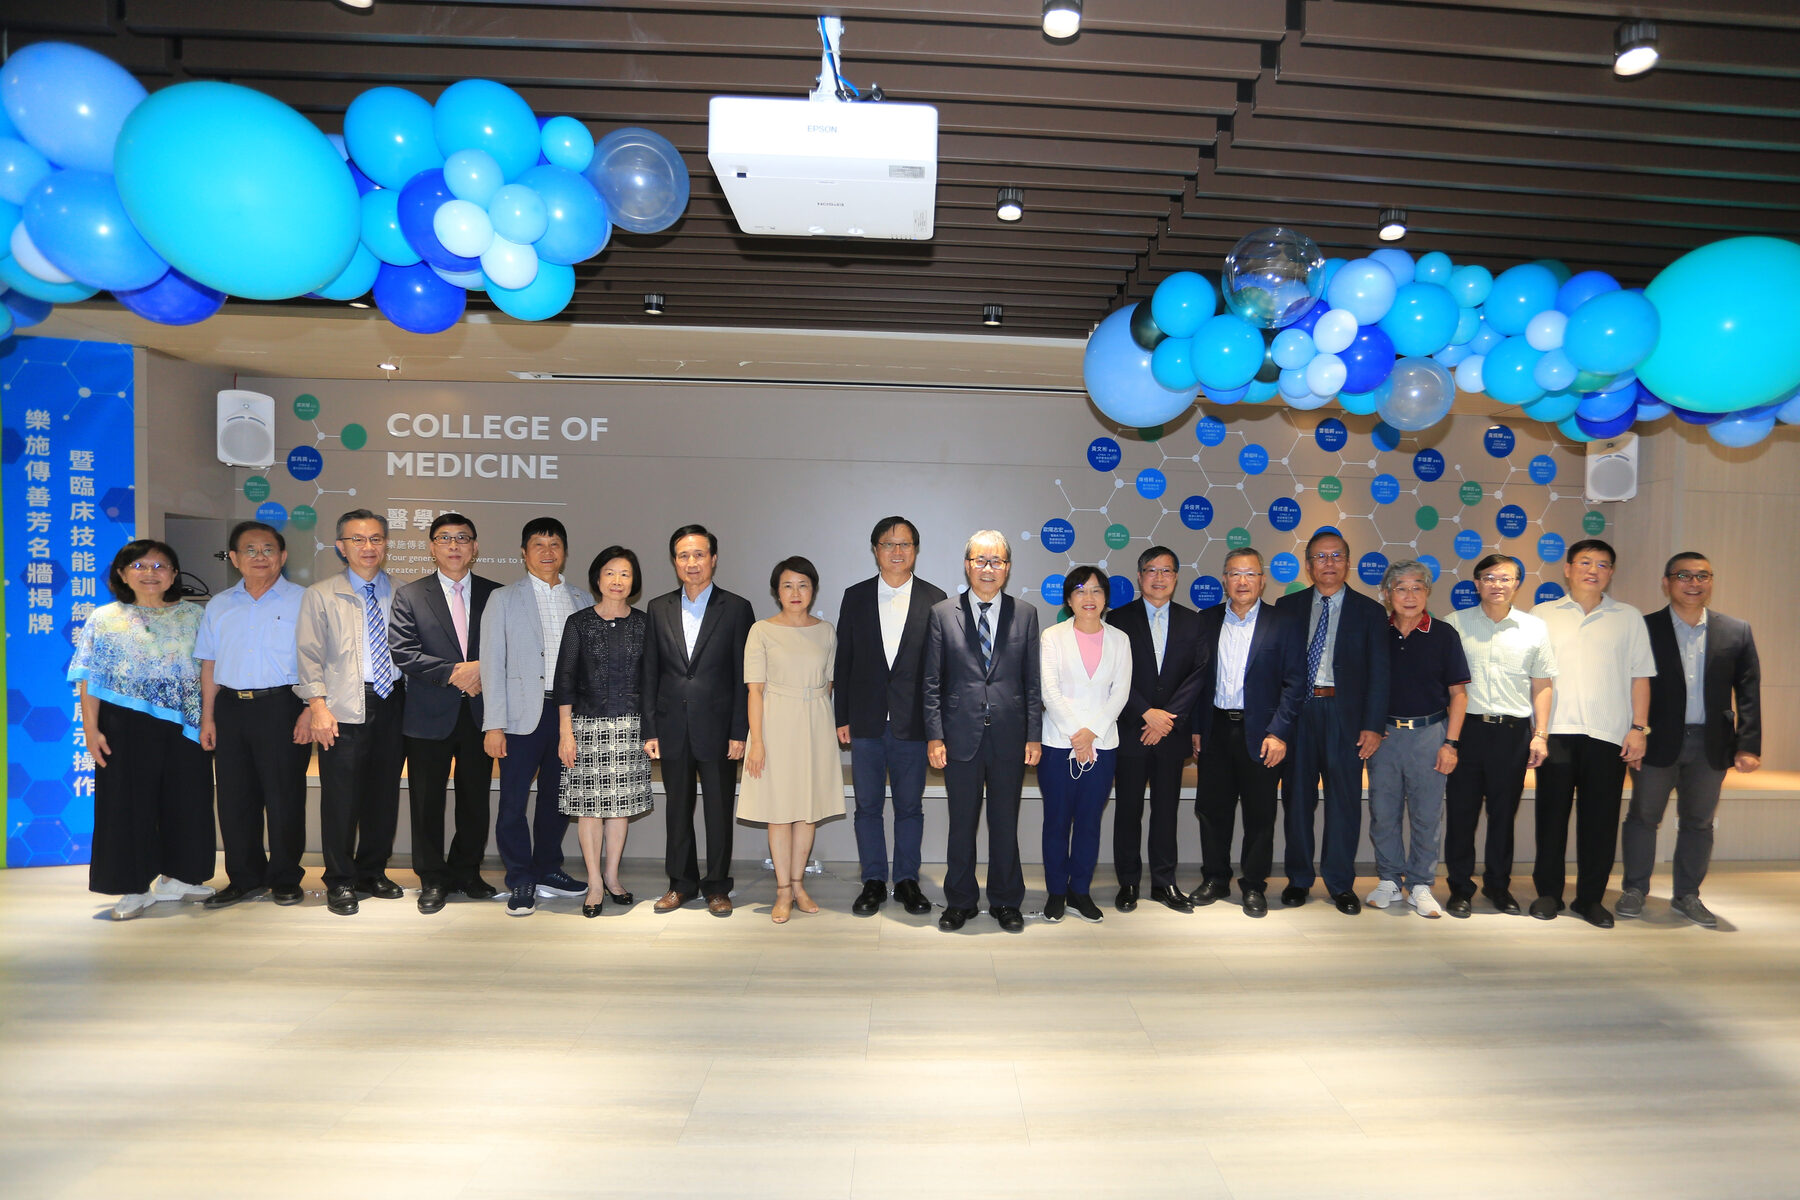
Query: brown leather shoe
x=672 y=900
x=719 y=906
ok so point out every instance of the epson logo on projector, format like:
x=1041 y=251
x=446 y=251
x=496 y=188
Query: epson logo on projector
x=821 y=129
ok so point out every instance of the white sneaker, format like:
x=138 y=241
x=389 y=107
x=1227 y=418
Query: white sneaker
x=167 y=887
x=1384 y=895
x=1422 y=899
x=132 y=905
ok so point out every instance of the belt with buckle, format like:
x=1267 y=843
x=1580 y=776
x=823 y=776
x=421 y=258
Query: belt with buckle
x=1324 y=691
x=1418 y=722
x=258 y=693
x=1497 y=719
x=1230 y=714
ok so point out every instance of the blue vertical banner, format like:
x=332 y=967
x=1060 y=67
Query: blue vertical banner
x=67 y=411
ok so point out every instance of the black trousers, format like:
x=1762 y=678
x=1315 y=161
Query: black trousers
x=1159 y=767
x=718 y=786
x=1490 y=768
x=261 y=778
x=359 y=791
x=1588 y=775
x=996 y=776
x=428 y=771
x=152 y=805
x=1230 y=777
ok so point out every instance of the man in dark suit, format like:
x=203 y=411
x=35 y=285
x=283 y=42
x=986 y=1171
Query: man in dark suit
x=696 y=715
x=984 y=718
x=1250 y=696
x=1705 y=716
x=1343 y=652
x=881 y=712
x=436 y=638
x=1153 y=730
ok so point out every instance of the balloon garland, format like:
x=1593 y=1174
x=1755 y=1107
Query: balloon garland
x=1707 y=340
x=175 y=201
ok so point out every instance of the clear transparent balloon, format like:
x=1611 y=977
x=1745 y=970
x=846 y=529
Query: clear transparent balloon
x=1273 y=276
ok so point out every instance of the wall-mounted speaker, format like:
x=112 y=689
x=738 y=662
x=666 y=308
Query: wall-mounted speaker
x=246 y=429
x=1612 y=468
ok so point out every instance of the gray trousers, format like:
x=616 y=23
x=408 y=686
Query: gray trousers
x=1404 y=784
x=1696 y=787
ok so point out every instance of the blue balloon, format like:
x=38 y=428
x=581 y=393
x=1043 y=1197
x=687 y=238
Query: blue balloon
x=1182 y=303
x=381 y=231
x=1612 y=332
x=1364 y=403
x=21 y=167
x=1609 y=427
x=1398 y=262
x=26 y=310
x=1369 y=359
x=1332 y=267
x=468 y=281
x=1605 y=406
x=1690 y=416
x=16 y=277
x=173 y=300
x=76 y=219
x=472 y=175
x=1293 y=384
x=1553 y=408
x=1311 y=318
x=1554 y=371
x=640 y=175
x=1468 y=324
x=1422 y=320
x=1231 y=395
x=518 y=214
x=1451 y=355
x=1434 y=266
x=1508 y=373
x=420 y=199
x=1116 y=371
x=479 y=114
x=1365 y=289
x=1228 y=352
x=578 y=221
x=1471 y=285
x=1570 y=428
x=416 y=300
x=1738 y=430
x=1172 y=364
x=388 y=131
x=1579 y=289
x=68 y=102
x=1788 y=411
x=238 y=191
x=1485 y=339
x=1292 y=348
x=1521 y=293
x=356 y=279
x=566 y=143
x=1652 y=410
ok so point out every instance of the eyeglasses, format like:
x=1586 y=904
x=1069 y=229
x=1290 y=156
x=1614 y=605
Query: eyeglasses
x=1692 y=576
x=258 y=552
x=359 y=541
x=1157 y=572
x=687 y=556
x=890 y=547
x=452 y=539
x=1324 y=556
x=990 y=564
x=148 y=568
x=1496 y=577
x=1243 y=574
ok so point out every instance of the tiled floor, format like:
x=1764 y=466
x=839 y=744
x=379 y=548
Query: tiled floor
x=266 y=1052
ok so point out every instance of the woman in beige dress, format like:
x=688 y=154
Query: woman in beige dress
x=793 y=775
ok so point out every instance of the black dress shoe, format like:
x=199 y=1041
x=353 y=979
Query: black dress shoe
x=1011 y=919
x=231 y=894
x=1172 y=897
x=288 y=895
x=1210 y=891
x=1347 y=903
x=1459 y=906
x=341 y=900
x=954 y=919
x=1503 y=901
x=1256 y=904
x=478 y=889
x=1126 y=900
x=622 y=899
x=592 y=910
x=1545 y=908
x=432 y=897
x=382 y=886
x=874 y=895
x=1293 y=896
x=907 y=892
x=1593 y=912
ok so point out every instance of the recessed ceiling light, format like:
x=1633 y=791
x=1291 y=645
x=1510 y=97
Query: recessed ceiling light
x=1634 y=47
x=1062 y=18
x=1009 y=205
x=991 y=314
x=653 y=304
x=1392 y=225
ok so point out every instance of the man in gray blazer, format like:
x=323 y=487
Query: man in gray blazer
x=521 y=632
x=984 y=720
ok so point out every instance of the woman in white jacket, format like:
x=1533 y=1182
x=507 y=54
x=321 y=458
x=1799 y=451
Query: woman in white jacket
x=1085 y=680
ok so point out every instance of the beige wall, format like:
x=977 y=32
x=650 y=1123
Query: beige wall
x=177 y=414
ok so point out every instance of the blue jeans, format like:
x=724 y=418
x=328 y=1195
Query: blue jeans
x=531 y=850
x=1404 y=783
x=1072 y=812
x=876 y=764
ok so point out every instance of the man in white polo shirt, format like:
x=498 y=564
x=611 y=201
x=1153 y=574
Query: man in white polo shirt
x=1599 y=716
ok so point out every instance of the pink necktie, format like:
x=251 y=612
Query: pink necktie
x=459 y=616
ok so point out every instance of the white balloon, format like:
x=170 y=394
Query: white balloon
x=32 y=259
x=1468 y=373
x=1325 y=375
x=508 y=264
x=1335 y=331
x=1308 y=402
x=463 y=227
x=1545 y=331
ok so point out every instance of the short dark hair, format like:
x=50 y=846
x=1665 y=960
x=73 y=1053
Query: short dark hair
x=712 y=543
x=1152 y=554
x=243 y=527
x=886 y=523
x=1669 y=567
x=547 y=526
x=1494 y=560
x=129 y=553
x=1321 y=534
x=1244 y=552
x=799 y=566
x=1592 y=544
x=359 y=514
x=606 y=556
x=451 y=518
x=1081 y=575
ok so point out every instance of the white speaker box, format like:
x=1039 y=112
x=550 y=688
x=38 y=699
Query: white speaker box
x=1612 y=468
x=246 y=429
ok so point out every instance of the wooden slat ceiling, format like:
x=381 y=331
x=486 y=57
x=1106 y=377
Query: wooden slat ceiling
x=1147 y=144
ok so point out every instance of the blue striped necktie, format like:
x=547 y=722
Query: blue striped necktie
x=1315 y=650
x=987 y=637
x=381 y=659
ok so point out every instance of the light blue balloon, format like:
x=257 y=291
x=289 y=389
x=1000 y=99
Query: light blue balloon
x=1612 y=332
x=472 y=175
x=1228 y=395
x=1182 y=303
x=1509 y=371
x=16 y=277
x=381 y=228
x=1787 y=408
x=463 y=228
x=1468 y=324
x=388 y=131
x=1172 y=364
x=1325 y=375
x=1471 y=285
x=1452 y=356
x=1364 y=403
x=578 y=221
x=1553 y=407
x=1546 y=330
x=1228 y=352
x=1332 y=267
x=1653 y=410
x=641 y=176
x=1571 y=430
x=1434 y=266
x=566 y=143
x=356 y=279
x=1519 y=294
x=1260 y=390
x=1579 y=289
x=1309 y=401
x=21 y=168
x=469 y=281
x=1116 y=371
x=1468 y=374
x=1398 y=262
x=479 y=114
x=1293 y=348
x=1293 y=384
x=238 y=191
x=518 y=214
x=1365 y=289
x=1422 y=320
x=68 y=102
x=1738 y=431
x=77 y=221
x=1554 y=371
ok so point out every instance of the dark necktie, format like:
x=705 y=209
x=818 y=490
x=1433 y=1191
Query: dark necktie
x=987 y=636
x=1315 y=650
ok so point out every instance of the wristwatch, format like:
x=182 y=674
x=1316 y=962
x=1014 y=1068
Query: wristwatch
x=1453 y=743
x=1643 y=729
